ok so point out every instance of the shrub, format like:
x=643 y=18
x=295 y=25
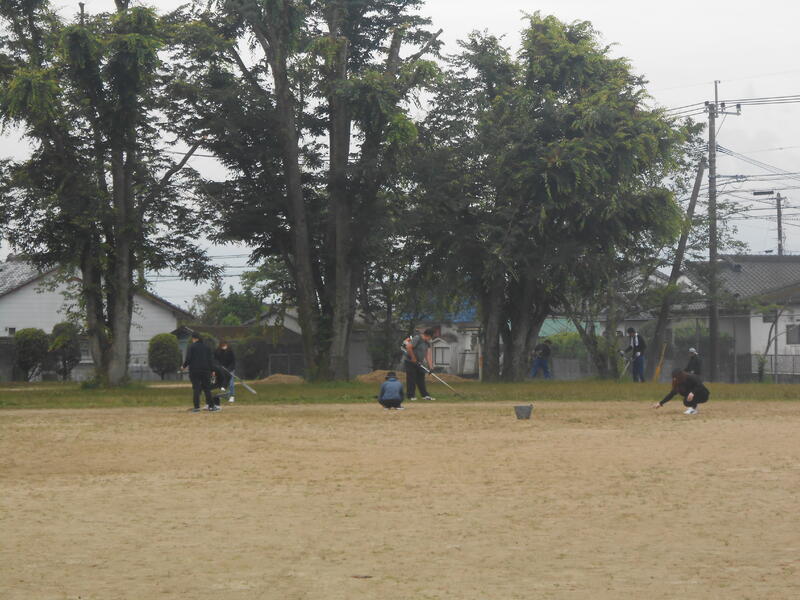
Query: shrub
x=31 y=346
x=251 y=353
x=65 y=349
x=164 y=354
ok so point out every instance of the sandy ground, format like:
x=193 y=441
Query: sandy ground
x=599 y=501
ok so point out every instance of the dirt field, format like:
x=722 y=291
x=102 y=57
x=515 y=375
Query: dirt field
x=586 y=500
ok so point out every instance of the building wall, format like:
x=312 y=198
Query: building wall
x=32 y=306
x=759 y=332
x=35 y=305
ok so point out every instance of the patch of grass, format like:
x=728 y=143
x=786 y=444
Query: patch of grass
x=71 y=395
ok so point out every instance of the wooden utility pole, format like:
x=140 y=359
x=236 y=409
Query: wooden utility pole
x=780 y=225
x=713 y=292
x=714 y=110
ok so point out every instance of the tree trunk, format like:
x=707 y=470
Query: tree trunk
x=341 y=202
x=304 y=280
x=492 y=321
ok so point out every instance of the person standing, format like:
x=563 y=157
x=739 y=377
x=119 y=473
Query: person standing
x=636 y=347
x=225 y=358
x=391 y=394
x=541 y=359
x=695 y=365
x=417 y=350
x=200 y=364
x=690 y=387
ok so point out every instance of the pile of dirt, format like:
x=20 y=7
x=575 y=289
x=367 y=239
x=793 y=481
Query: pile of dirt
x=379 y=376
x=281 y=378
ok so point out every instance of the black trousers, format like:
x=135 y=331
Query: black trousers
x=201 y=381
x=391 y=403
x=415 y=378
x=700 y=396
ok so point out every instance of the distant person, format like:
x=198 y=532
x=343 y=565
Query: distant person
x=200 y=364
x=636 y=347
x=690 y=387
x=417 y=351
x=225 y=358
x=391 y=394
x=541 y=359
x=695 y=365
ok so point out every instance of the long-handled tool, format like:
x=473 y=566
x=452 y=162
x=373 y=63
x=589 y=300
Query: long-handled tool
x=404 y=350
x=239 y=379
x=429 y=372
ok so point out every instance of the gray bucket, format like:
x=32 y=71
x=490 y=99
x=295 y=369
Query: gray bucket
x=523 y=411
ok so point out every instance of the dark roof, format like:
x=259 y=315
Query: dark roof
x=16 y=273
x=747 y=276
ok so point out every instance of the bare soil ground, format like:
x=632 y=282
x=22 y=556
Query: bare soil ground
x=441 y=501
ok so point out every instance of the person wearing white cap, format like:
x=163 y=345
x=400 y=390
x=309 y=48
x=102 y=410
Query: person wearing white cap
x=695 y=366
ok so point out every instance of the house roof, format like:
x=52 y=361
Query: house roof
x=16 y=273
x=747 y=275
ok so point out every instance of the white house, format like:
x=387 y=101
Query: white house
x=30 y=298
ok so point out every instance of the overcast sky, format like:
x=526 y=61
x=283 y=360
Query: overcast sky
x=681 y=47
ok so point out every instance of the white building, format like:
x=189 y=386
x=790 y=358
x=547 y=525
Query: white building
x=30 y=298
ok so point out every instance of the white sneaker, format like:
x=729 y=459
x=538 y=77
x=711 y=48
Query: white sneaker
x=428 y=398
x=232 y=399
x=690 y=411
x=399 y=408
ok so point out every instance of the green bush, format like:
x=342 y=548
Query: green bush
x=65 y=349
x=164 y=354
x=567 y=344
x=251 y=356
x=31 y=346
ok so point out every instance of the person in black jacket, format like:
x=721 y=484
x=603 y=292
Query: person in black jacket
x=694 y=367
x=690 y=387
x=225 y=358
x=200 y=364
x=636 y=347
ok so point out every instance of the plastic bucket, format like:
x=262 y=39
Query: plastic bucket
x=523 y=411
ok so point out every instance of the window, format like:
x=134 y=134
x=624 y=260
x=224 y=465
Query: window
x=11 y=331
x=793 y=334
x=768 y=317
x=441 y=355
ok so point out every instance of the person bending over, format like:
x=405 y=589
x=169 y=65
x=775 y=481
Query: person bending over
x=391 y=394
x=690 y=387
x=225 y=358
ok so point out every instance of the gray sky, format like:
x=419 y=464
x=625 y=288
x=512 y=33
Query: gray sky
x=681 y=47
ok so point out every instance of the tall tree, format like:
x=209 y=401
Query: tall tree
x=548 y=168
x=325 y=101
x=97 y=194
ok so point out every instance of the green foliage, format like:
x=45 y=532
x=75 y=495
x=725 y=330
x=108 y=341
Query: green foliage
x=567 y=344
x=97 y=196
x=164 y=354
x=65 y=348
x=215 y=307
x=30 y=346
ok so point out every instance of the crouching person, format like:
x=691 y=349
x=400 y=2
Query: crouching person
x=690 y=387
x=391 y=394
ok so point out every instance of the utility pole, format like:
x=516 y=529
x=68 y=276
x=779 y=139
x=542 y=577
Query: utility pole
x=780 y=225
x=779 y=205
x=714 y=110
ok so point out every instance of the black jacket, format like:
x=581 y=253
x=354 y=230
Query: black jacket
x=684 y=384
x=637 y=344
x=225 y=357
x=198 y=358
x=694 y=366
